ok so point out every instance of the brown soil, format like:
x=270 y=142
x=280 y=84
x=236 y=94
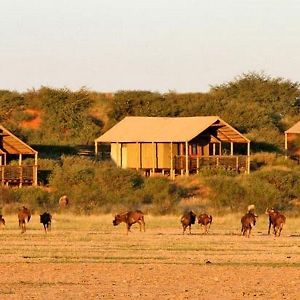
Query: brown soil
x=88 y=258
x=34 y=123
x=150 y=281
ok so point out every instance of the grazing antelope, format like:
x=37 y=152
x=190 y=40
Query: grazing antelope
x=130 y=218
x=248 y=221
x=24 y=216
x=276 y=219
x=187 y=220
x=63 y=201
x=45 y=219
x=205 y=220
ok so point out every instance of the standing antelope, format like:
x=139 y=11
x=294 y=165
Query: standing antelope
x=205 y=220
x=187 y=220
x=248 y=221
x=24 y=216
x=276 y=219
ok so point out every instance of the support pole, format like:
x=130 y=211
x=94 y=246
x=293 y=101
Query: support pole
x=121 y=155
x=186 y=159
x=35 y=170
x=248 y=158
x=118 y=155
x=231 y=148
x=171 y=157
x=153 y=158
x=286 y=144
x=96 y=150
x=21 y=170
x=214 y=149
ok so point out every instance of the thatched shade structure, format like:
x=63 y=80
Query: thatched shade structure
x=11 y=146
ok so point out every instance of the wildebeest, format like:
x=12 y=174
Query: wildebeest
x=2 y=221
x=24 y=216
x=248 y=221
x=205 y=220
x=63 y=201
x=130 y=218
x=187 y=220
x=276 y=219
x=45 y=219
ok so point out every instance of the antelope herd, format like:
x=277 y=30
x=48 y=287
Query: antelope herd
x=248 y=221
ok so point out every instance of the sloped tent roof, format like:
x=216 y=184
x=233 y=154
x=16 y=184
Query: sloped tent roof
x=161 y=129
x=13 y=145
x=294 y=129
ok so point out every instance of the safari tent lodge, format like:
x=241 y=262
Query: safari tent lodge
x=13 y=149
x=175 y=146
x=292 y=141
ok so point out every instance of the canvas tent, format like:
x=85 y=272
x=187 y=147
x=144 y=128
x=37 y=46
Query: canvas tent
x=292 y=140
x=170 y=144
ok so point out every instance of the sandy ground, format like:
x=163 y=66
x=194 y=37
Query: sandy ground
x=90 y=259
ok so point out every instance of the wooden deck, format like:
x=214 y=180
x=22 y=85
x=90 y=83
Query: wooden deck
x=238 y=163
x=18 y=175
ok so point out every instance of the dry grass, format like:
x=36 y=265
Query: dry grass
x=68 y=256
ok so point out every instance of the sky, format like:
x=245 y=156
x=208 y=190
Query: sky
x=158 y=45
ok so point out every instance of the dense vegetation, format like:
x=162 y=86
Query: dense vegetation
x=259 y=106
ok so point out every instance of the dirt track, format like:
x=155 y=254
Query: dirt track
x=90 y=259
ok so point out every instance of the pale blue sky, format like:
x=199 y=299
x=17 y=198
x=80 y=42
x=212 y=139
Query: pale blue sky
x=182 y=45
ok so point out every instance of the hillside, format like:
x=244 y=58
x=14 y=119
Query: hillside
x=257 y=105
x=60 y=123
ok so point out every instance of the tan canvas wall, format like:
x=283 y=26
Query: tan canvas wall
x=132 y=155
x=293 y=143
x=164 y=155
x=147 y=155
x=115 y=153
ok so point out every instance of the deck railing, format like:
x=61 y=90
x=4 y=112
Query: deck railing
x=238 y=163
x=18 y=175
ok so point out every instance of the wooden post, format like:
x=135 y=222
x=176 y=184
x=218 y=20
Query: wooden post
x=220 y=149
x=5 y=159
x=2 y=175
x=214 y=149
x=153 y=158
x=286 y=144
x=0 y=159
x=118 y=155
x=198 y=164
x=248 y=158
x=35 y=170
x=231 y=148
x=96 y=150
x=237 y=163
x=21 y=170
x=121 y=155
x=186 y=159
x=171 y=157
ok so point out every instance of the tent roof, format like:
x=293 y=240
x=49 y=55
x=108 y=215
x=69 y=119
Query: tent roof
x=294 y=129
x=161 y=129
x=13 y=145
